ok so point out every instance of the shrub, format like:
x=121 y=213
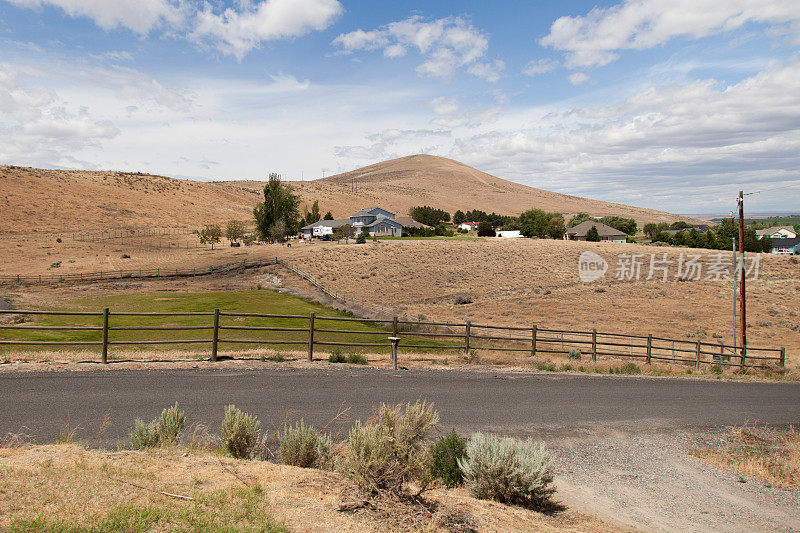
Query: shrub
x=143 y=435
x=362 y=237
x=170 y=424
x=240 y=432
x=356 y=359
x=508 y=470
x=629 y=368
x=57 y=264
x=166 y=429
x=336 y=356
x=575 y=353
x=304 y=446
x=716 y=369
x=386 y=452
x=444 y=459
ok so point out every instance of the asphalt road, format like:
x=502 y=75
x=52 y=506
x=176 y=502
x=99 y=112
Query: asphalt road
x=39 y=404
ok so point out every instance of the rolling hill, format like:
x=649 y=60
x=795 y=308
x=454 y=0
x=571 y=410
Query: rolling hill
x=38 y=200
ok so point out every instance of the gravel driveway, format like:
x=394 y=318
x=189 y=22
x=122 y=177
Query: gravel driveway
x=649 y=482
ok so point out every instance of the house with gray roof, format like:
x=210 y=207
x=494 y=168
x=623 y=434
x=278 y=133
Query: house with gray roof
x=606 y=232
x=777 y=232
x=374 y=220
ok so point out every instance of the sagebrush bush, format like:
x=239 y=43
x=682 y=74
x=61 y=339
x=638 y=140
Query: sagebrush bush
x=356 y=359
x=629 y=368
x=386 y=452
x=304 y=446
x=166 y=429
x=336 y=356
x=444 y=456
x=240 y=432
x=143 y=435
x=508 y=470
x=575 y=353
x=170 y=425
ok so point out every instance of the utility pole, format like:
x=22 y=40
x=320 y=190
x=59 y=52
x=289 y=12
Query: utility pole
x=742 y=296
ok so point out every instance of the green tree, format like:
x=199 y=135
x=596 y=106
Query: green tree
x=315 y=216
x=343 y=232
x=280 y=204
x=428 y=215
x=485 y=229
x=592 y=235
x=362 y=237
x=628 y=225
x=234 y=231
x=459 y=217
x=680 y=225
x=538 y=223
x=651 y=230
x=328 y=216
x=211 y=233
x=580 y=217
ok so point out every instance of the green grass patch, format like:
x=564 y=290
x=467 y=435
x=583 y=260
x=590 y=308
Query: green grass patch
x=247 y=301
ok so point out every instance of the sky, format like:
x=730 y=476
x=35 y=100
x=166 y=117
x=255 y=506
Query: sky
x=667 y=104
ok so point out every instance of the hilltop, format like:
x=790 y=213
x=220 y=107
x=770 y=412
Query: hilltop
x=39 y=200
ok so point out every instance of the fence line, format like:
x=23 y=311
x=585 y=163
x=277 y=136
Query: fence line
x=535 y=341
x=139 y=273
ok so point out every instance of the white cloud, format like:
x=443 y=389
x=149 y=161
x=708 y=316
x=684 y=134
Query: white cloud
x=597 y=38
x=238 y=32
x=443 y=105
x=657 y=144
x=542 y=66
x=446 y=45
x=233 y=31
x=139 y=16
x=577 y=78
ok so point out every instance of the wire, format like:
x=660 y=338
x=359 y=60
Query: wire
x=772 y=189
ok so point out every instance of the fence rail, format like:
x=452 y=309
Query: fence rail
x=417 y=335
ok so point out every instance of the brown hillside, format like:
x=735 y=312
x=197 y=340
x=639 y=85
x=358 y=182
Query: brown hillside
x=37 y=200
x=402 y=183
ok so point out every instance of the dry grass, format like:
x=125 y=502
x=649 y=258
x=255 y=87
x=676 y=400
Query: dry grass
x=38 y=200
x=65 y=487
x=768 y=455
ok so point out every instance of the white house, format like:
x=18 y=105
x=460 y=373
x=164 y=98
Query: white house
x=469 y=226
x=777 y=232
x=374 y=220
x=509 y=234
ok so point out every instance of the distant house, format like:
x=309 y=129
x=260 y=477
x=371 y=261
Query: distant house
x=777 y=232
x=469 y=226
x=509 y=234
x=786 y=245
x=606 y=233
x=374 y=220
x=700 y=228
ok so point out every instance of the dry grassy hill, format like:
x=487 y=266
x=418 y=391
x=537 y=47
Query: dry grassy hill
x=46 y=201
x=401 y=183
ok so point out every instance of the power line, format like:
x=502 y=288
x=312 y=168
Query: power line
x=773 y=189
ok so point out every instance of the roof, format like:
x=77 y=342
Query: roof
x=383 y=220
x=408 y=222
x=603 y=230
x=367 y=211
x=326 y=223
x=785 y=242
x=773 y=229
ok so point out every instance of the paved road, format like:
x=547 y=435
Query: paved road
x=542 y=405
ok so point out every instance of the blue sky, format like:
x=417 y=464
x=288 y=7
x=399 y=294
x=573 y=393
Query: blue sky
x=669 y=104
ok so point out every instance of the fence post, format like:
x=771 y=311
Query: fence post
x=783 y=356
x=311 y=337
x=649 y=347
x=104 y=355
x=594 y=344
x=697 y=361
x=215 y=336
x=533 y=341
x=466 y=337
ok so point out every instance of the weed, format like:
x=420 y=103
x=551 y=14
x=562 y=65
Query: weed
x=508 y=470
x=57 y=264
x=277 y=358
x=240 y=432
x=575 y=353
x=444 y=459
x=143 y=435
x=629 y=368
x=66 y=435
x=166 y=429
x=337 y=356
x=546 y=367
x=356 y=359
x=386 y=452
x=304 y=446
x=715 y=369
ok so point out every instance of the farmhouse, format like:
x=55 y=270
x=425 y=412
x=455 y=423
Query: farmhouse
x=374 y=220
x=777 y=232
x=606 y=233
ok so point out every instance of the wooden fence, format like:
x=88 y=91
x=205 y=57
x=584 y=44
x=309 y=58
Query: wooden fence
x=457 y=336
x=137 y=273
